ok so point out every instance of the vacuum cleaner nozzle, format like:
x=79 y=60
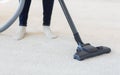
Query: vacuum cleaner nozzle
x=86 y=51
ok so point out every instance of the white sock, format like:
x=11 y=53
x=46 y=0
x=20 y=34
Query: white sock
x=21 y=32
x=47 y=31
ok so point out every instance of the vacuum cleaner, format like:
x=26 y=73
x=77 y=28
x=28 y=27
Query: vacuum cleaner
x=14 y=17
x=83 y=51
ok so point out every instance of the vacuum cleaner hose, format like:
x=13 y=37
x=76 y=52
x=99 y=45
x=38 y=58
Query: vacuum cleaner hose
x=14 y=17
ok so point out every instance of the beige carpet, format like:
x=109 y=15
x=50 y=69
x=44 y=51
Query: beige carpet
x=98 y=22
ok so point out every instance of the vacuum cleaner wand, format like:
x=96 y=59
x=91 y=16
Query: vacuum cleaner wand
x=71 y=23
x=83 y=50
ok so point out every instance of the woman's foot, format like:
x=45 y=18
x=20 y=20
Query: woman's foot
x=47 y=31
x=21 y=32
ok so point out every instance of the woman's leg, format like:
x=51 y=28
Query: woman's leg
x=23 y=20
x=24 y=14
x=47 y=13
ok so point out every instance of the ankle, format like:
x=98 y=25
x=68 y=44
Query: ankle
x=46 y=27
x=22 y=27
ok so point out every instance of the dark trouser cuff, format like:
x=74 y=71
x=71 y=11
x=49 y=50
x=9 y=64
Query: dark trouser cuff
x=46 y=24
x=22 y=25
